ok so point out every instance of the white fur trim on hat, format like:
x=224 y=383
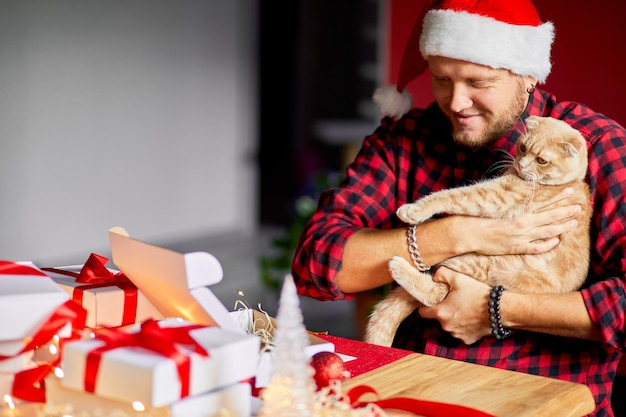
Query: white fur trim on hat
x=391 y=102
x=524 y=50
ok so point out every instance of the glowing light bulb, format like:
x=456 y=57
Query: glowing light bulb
x=138 y=406
x=8 y=400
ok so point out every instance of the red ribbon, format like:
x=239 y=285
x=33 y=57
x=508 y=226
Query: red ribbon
x=412 y=405
x=256 y=391
x=66 y=313
x=12 y=268
x=166 y=341
x=95 y=274
x=29 y=384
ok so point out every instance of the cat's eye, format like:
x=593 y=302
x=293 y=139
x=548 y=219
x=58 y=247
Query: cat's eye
x=541 y=161
x=522 y=148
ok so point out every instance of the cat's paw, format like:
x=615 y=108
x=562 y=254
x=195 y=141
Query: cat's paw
x=419 y=285
x=401 y=270
x=412 y=213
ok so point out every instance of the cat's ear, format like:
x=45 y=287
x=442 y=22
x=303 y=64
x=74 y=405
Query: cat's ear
x=570 y=149
x=531 y=122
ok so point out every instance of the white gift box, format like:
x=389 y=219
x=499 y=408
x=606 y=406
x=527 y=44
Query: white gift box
x=104 y=305
x=26 y=302
x=12 y=347
x=17 y=363
x=137 y=374
x=177 y=284
x=65 y=401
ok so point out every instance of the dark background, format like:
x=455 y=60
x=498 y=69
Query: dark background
x=310 y=52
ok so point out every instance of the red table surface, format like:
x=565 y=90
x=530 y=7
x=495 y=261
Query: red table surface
x=368 y=356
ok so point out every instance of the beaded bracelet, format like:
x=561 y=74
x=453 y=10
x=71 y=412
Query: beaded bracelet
x=413 y=250
x=495 y=320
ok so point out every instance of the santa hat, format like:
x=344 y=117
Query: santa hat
x=504 y=34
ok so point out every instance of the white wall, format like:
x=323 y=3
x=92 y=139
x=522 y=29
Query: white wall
x=138 y=114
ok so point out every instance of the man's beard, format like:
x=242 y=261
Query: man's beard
x=497 y=128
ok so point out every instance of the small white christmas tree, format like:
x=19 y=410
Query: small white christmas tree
x=291 y=392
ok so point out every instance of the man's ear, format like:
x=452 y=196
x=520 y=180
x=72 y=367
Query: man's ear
x=530 y=83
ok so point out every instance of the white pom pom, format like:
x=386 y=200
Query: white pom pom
x=392 y=103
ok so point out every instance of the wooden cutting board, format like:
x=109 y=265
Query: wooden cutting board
x=495 y=391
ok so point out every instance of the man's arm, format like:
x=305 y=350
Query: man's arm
x=367 y=252
x=364 y=263
x=557 y=314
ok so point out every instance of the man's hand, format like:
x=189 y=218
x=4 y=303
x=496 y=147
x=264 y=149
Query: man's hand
x=464 y=312
x=528 y=234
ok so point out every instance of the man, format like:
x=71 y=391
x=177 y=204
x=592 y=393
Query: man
x=486 y=58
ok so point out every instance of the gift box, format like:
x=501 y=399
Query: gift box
x=230 y=400
x=27 y=299
x=12 y=347
x=109 y=297
x=149 y=367
x=177 y=284
x=17 y=363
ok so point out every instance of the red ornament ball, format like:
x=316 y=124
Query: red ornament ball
x=329 y=367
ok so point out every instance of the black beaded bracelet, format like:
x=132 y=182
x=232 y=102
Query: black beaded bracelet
x=495 y=320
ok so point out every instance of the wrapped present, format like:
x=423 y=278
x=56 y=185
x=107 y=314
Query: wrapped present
x=159 y=362
x=230 y=401
x=177 y=284
x=27 y=299
x=109 y=297
x=28 y=349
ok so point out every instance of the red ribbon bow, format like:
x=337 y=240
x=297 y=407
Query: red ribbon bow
x=166 y=341
x=95 y=274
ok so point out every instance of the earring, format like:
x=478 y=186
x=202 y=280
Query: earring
x=531 y=89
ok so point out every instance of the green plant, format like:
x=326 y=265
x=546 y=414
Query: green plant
x=274 y=267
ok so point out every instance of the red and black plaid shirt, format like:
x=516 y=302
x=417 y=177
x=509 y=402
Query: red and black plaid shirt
x=406 y=159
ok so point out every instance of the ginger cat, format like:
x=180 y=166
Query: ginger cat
x=550 y=156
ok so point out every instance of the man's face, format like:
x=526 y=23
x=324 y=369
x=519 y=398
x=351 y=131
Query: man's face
x=481 y=102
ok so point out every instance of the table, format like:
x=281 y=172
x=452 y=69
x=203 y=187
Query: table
x=397 y=373
x=495 y=391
